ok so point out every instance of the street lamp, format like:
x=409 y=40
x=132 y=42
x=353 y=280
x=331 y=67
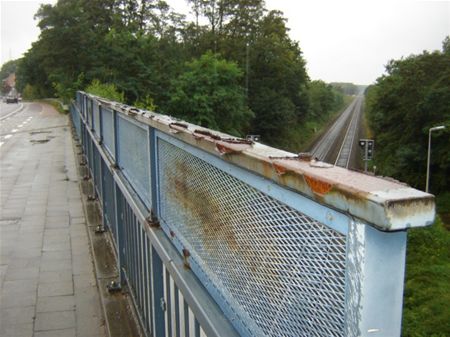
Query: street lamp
x=429 y=153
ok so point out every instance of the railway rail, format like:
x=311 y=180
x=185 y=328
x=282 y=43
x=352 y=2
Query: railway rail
x=336 y=145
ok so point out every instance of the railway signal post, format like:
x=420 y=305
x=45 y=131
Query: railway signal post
x=368 y=146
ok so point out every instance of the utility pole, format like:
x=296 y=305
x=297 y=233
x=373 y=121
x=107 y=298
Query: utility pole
x=247 y=66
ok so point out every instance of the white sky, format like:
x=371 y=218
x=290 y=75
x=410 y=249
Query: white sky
x=342 y=41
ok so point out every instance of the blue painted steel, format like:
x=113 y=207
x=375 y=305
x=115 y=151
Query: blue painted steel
x=277 y=263
x=119 y=202
x=96 y=119
x=97 y=172
x=158 y=321
x=318 y=212
x=108 y=199
x=134 y=156
x=224 y=221
x=153 y=171
x=76 y=119
x=108 y=130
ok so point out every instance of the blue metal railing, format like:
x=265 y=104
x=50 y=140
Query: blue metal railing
x=218 y=236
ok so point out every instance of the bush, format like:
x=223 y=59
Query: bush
x=427 y=287
x=105 y=90
x=30 y=93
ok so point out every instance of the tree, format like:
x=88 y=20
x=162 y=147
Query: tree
x=277 y=80
x=413 y=97
x=323 y=99
x=208 y=93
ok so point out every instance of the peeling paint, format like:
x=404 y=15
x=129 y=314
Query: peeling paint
x=382 y=202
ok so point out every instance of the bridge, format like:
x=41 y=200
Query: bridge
x=221 y=236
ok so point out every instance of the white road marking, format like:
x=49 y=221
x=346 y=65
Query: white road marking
x=14 y=130
x=1 y=143
x=8 y=136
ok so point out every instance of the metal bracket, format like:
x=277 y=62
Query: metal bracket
x=162 y=303
x=114 y=287
x=100 y=229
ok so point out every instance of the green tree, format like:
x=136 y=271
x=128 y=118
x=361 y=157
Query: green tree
x=209 y=94
x=277 y=80
x=105 y=90
x=413 y=97
x=323 y=99
x=8 y=68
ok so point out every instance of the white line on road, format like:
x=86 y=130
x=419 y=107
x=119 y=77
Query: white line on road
x=14 y=130
x=8 y=136
x=1 y=143
x=13 y=112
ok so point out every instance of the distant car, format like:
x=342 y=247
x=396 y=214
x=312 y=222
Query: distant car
x=12 y=99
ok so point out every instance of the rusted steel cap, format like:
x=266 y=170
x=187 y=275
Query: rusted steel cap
x=381 y=202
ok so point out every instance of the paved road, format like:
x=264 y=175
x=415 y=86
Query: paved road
x=47 y=283
x=9 y=109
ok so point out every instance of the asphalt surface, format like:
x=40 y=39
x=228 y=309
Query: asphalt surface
x=9 y=109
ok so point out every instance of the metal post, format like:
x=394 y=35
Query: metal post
x=365 y=156
x=429 y=154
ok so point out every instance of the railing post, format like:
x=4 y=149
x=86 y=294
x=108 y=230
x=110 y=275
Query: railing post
x=100 y=119
x=116 y=140
x=375 y=274
x=118 y=209
x=153 y=147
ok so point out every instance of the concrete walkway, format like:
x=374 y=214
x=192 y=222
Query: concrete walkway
x=47 y=282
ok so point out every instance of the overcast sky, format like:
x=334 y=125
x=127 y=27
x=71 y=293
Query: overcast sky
x=342 y=41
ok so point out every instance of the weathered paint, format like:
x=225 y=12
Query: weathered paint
x=383 y=203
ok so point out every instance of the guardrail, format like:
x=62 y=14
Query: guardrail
x=218 y=236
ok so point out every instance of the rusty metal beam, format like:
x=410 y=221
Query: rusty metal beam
x=384 y=203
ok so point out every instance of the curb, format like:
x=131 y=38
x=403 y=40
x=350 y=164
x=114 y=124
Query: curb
x=117 y=308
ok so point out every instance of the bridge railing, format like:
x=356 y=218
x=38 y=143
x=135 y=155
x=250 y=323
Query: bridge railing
x=218 y=236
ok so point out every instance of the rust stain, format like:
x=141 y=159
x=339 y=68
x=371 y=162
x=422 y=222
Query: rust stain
x=201 y=203
x=222 y=149
x=207 y=134
x=215 y=216
x=176 y=125
x=318 y=186
x=279 y=169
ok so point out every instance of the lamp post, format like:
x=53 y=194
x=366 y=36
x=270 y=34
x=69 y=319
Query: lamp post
x=429 y=153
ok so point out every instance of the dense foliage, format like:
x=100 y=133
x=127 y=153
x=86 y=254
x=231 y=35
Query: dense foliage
x=209 y=94
x=427 y=287
x=234 y=67
x=402 y=106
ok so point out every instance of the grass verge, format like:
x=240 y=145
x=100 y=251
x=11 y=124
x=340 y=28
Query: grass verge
x=57 y=104
x=427 y=287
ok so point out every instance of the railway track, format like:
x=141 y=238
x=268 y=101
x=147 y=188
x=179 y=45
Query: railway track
x=337 y=144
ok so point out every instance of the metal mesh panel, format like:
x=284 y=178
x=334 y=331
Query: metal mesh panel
x=108 y=130
x=283 y=269
x=97 y=171
x=90 y=153
x=134 y=157
x=96 y=116
x=89 y=112
x=108 y=199
x=75 y=119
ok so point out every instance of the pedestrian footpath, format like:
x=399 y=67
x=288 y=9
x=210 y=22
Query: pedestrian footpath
x=47 y=282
